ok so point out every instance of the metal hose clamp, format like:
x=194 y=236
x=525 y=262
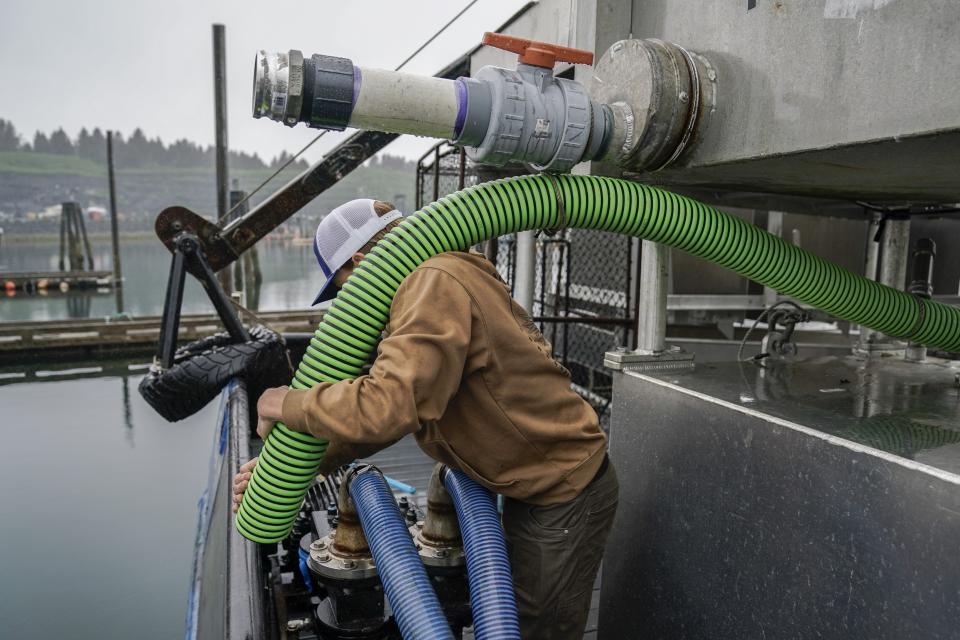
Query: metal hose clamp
x=921 y=316
x=561 y=207
x=356 y=470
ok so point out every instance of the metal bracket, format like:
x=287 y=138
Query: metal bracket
x=189 y=256
x=777 y=344
x=223 y=245
x=621 y=359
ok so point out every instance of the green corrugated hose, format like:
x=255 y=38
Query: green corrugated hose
x=351 y=327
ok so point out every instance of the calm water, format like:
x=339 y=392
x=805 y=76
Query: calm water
x=99 y=510
x=98 y=494
x=290 y=279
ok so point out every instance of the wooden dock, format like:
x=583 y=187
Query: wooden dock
x=50 y=281
x=104 y=337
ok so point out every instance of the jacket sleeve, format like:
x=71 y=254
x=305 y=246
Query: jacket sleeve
x=417 y=370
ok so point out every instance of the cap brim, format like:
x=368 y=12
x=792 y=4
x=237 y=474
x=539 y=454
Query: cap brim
x=327 y=292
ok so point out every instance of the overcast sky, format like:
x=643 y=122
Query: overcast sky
x=120 y=64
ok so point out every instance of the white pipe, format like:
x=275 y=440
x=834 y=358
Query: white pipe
x=405 y=103
x=526 y=259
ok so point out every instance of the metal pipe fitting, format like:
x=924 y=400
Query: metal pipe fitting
x=660 y=96
x=437 y=538
x=320 y=91
x=922 y=282
x=343 y=554
x=327 y=92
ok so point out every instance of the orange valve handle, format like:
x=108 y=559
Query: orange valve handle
x=538 y=54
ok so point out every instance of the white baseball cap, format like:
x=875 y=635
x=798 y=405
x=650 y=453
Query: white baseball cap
x=341 y=234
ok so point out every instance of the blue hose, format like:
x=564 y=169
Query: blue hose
x=304 y=569
x=405 y=582
x=492 y=598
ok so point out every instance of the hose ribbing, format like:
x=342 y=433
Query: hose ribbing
x=492 y=599
x=405 y=582
x=352 y=326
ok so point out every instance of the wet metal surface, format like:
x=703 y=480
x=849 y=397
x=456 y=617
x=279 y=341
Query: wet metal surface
x=907 y=409
x=812 y=500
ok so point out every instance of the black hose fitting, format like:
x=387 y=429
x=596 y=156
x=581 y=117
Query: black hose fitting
x=328 y=92
x=319 y=91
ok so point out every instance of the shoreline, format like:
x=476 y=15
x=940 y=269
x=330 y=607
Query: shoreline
x=54 y=238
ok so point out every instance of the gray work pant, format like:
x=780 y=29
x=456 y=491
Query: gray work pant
x=555 y=553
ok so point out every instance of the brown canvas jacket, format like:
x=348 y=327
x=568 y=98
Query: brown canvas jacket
x=464 y=368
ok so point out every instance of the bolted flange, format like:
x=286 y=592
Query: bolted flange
x=660 y=96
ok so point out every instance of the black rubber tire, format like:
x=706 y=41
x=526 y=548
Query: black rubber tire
x=202 y=368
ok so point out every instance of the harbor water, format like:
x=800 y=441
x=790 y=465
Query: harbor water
x=100 y=494
x=99 y=504
x=290 y=280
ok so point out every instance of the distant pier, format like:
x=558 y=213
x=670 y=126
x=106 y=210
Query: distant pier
x=54 y=340
x=55 y=281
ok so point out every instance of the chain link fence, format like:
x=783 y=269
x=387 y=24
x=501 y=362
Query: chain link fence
x=584 y=294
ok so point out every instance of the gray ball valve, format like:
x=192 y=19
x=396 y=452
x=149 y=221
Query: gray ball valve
x=527 y=115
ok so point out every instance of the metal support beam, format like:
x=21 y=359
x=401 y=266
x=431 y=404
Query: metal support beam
x=231 y=321
x=170 y=323
x=867 y=335
x=63 y=239
x=895 y=252
x=652 y=303
x=220 y=119
x=652 y=351
x=921 y=285
x=237 y=200
x=526 y=259
x=188 y=256
x=894 y=256
x=78 y=212
x=114 y=225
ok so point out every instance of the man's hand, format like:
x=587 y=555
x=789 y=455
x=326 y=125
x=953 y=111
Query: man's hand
x=338 y=453
x=270 y=409
x=240 y=482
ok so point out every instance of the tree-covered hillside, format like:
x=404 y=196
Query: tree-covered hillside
x=152 y=176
